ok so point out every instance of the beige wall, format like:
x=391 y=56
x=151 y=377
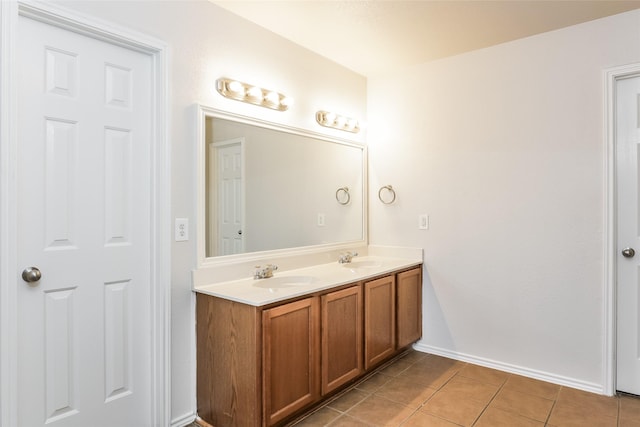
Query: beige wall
x=504 y=148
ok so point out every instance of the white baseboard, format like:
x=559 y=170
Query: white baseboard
x=183 y=420
x=513 y=369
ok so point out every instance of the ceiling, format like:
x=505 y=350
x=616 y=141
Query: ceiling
x=375 y=37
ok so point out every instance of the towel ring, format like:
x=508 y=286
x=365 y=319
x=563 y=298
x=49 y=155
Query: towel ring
x=390 y=189
x=345 y=198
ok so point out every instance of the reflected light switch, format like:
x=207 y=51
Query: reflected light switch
x=423 y=222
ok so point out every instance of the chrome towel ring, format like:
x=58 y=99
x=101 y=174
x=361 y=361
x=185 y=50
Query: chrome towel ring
x=342 y=195
x=391 y=191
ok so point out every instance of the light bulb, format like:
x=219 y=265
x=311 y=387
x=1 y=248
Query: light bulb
x=340 y=120
x=235 y=87
x=272 y=97
x=254 y=92
x=286 y=101
x=329 y=118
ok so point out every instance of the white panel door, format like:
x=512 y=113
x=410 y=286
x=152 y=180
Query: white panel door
x=84 y=136
x=628 y=220
x=231 y=235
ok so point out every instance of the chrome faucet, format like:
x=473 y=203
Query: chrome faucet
x=264 y=272
x=346 y=257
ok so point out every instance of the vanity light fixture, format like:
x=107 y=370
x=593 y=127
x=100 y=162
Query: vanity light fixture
x=336 y=121
x=255 y=95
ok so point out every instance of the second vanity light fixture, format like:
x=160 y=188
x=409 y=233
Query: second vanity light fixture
x=336 y=121
x=239 y=91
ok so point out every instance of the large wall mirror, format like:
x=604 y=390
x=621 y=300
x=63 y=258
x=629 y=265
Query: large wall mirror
x=265 y=187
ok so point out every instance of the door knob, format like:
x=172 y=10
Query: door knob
x=31 y=274
x=240 y=232
x=628 y=252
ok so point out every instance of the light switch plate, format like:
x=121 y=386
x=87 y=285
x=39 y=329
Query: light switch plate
x=321 y=222
x=423 y=222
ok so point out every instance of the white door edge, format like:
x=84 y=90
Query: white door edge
x=160 y=197
x=8 y=219
x=609 y=311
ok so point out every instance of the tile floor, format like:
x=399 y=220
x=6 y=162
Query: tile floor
x=426 y=390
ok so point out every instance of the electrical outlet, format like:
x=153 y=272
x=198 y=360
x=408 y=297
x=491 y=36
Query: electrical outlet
x=182 y=229
x=423 y=222
x=321 y=222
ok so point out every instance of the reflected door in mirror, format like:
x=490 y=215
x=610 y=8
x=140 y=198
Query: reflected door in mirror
x=228 y=182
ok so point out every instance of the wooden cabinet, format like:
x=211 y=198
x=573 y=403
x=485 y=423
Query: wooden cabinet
x=409 y=307
x=262 y=366
x=341 y=337
x=291 y=358
x=379 y=320
x=228 y=359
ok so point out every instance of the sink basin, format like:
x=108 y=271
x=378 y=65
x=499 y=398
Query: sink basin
x=281 y=282
x=362 y=264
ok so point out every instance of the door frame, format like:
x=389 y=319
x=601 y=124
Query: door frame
x=160 y=179
x=609 y=306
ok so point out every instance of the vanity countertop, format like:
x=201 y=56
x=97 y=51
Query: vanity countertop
x=293 y=283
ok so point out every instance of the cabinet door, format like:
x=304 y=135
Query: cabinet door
x=291 y=362
x=409 y=306
x=341 y=337
x=379 y=320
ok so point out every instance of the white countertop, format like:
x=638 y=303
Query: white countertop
x=293 y=283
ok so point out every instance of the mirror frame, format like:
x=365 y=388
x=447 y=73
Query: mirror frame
x=204 y=112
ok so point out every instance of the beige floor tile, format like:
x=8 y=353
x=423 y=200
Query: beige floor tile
x=604 y=405
x=405 y=391
x=373 y=383
x=440 y=363
x=527 y=405
x=397 y=367
x=564 y=415
x=629 y=423
x=468 y=388
x=630 y=408
x=348 y=400
x=485 y=375
x=424 y=390
x=531 y=386
x=322 y=417
x=433 y=377
x=347 y=421
x=495 y=417
x=414 y=356
x=453 y=407
x=421 y=419
x=378 y=411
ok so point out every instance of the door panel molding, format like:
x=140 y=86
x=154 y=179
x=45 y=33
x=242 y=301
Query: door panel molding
x=160 y=216
x=609 y=317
